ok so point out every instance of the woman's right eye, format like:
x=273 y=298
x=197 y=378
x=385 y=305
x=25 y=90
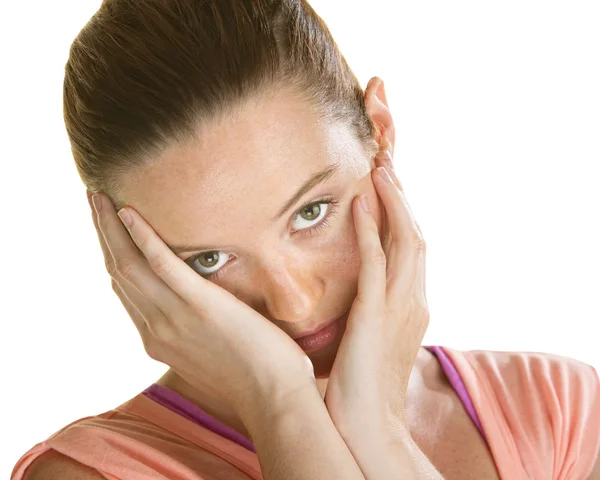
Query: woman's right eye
x=209 y=263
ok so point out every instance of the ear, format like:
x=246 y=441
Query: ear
x=378 y=108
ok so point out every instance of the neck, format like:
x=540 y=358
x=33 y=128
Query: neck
x=225 y=414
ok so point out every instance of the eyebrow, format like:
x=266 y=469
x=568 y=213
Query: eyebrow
x=317 y=179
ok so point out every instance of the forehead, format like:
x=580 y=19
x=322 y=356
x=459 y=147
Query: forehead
x=257 y=157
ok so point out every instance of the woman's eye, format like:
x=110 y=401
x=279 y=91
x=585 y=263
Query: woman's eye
x=310 y=215
x=207 y=263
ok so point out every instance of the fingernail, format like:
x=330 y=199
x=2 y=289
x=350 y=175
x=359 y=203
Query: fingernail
x=364 y=203
x=97 y=202
x=125 y=217
x=383 y=172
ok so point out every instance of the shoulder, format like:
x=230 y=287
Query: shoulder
x=547 y=379
x=549 y=403
x=53 y=465
x=105 y=447
x=441 y=427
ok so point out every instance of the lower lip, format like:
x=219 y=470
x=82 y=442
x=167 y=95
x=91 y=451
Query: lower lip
x=323 y=337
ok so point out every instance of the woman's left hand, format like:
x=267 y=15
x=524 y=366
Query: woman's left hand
x=387 y=321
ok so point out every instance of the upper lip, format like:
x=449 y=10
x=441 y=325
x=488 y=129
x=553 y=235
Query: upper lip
x=318 y=328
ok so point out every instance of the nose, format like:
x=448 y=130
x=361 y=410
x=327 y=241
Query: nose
x=290 y=291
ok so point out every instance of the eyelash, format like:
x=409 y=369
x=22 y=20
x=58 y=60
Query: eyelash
x=310 y=231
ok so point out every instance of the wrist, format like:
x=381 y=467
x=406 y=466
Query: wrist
x=272 y=400
x=376 y=426
x=294 y=436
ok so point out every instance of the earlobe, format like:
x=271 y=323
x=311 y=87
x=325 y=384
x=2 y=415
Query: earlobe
x=378 y=108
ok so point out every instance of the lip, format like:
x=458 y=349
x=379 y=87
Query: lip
x=325 y=335
x=318 y=328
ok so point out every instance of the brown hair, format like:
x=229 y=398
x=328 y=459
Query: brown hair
x=143 y=74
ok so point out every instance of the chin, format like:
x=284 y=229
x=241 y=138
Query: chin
x=323 y=360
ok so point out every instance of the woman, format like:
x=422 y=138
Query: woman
x=294 y=331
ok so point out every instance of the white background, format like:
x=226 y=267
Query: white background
x=497 y=111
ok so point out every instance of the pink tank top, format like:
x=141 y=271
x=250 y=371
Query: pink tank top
x=539 y=414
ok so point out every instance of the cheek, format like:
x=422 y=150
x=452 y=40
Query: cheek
x=341 y=258
x=342 y=261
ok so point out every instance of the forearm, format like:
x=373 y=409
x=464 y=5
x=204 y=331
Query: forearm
x=298 y=440
x=398 y=461
x=389 y=454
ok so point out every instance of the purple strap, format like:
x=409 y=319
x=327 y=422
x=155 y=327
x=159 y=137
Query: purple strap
x=173 y=401
x=458 y=384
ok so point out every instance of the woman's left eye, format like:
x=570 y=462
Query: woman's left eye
x=315 y=215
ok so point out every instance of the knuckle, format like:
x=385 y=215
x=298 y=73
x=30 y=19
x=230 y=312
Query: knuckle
x=162 y=266
x=151 y=350
x=115 y=286
x=159 y=340
x=110 y=267
x=125 y=268
x=163 y=335
x=377 y=256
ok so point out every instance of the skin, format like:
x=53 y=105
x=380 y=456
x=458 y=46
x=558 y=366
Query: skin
x=293 y=279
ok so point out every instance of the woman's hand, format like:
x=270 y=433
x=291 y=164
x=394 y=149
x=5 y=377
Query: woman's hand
x=211 y=339
x=388 y=319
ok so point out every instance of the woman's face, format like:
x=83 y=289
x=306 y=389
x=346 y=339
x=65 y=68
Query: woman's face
x=232 y=197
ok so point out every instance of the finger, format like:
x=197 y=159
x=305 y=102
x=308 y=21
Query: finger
x=165 y=267
x=131 y=266
x=380 y=161
x=108 y=259
x=388 y=189
x=384 y=159
x=407 y=244
x=135 y=303
x=372 y=276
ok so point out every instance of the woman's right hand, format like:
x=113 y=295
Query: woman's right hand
x=213 y=340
